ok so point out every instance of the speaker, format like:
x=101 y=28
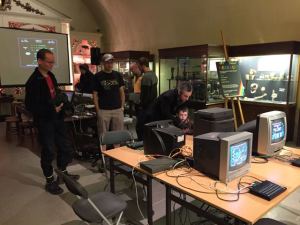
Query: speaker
x=95 y=56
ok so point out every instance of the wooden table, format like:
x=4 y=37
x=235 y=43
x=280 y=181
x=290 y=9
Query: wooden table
x=247 y=210
x=131 y=158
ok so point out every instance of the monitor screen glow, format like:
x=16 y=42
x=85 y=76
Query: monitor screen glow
x=70 y=96
x=278 y=130
x=238 y=155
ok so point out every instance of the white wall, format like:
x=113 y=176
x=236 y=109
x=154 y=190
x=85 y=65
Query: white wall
x=82 y=19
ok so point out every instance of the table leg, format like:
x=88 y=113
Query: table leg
x=112 y=175
x=149 y=200
x=168 y=205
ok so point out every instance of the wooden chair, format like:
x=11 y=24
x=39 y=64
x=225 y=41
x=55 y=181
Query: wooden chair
x=25 y=120
x=12 y=125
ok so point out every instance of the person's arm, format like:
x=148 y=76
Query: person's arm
x=122 y=95
x=95 y=93
x=122 y=91
x=29 y=96
x=96 y=100
x=166 y=110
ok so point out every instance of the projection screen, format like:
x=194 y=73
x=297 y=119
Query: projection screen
x=18 y=55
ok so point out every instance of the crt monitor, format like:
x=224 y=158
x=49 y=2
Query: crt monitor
x=223 y=155
x=161 y=137
x=271 y=130
x=69 y=94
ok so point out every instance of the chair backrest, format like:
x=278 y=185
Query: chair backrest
x=116 y=137
x=72 y=185
x=268 y=221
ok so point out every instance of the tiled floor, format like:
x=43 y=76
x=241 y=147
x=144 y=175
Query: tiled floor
x=24 y=200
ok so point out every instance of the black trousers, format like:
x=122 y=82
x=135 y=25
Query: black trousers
x=53 y=135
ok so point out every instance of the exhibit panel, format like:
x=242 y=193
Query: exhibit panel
x=192 y=63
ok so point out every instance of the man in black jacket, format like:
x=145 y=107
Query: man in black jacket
x=168 y=103
x=41 y=93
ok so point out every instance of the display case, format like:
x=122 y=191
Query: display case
x=194 y=63
x=270 y=77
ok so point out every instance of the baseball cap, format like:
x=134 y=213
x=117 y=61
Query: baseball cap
x=107 y=57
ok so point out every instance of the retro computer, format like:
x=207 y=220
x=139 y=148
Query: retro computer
x=223 y=155
x=161 y=137
x=270 y=135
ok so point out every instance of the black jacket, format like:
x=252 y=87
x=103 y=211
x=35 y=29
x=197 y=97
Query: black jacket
x=148 y=89
x=38 y=99
x=86 y=83
x=166 y=106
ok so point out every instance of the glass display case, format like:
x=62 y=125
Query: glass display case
x=194 y=63
x=269 y=71
x=270 y=79
x=270 y=74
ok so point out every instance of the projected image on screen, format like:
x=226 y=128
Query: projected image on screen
x=238 y=154
x=278 y=130
x=28 y=47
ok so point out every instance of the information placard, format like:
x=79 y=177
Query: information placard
x=230 y=78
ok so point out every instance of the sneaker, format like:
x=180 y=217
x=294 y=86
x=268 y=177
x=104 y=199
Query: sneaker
x=73 y=176
x=53 y=188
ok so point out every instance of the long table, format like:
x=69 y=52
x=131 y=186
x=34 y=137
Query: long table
x=247 y=210
x=132 y=159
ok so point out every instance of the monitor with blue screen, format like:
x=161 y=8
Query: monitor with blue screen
x=238 y=155
x=223 y=155
x=271 y=132
x=278 y=130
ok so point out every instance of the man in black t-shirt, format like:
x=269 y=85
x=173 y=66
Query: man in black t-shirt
x=109 y=97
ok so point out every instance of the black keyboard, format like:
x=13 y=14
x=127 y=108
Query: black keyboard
x=266 y=189
x=135 y=145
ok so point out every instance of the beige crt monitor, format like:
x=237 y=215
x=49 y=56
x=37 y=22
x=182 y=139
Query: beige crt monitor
x=271 y=132
x=235 y=156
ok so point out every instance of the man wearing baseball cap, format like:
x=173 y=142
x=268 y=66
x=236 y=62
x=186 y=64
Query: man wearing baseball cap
x=109 y=97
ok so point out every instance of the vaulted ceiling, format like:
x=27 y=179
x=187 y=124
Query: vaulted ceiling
x=152 y=24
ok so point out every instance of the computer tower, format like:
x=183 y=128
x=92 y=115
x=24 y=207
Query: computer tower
x=161 y=141
x=213 y=120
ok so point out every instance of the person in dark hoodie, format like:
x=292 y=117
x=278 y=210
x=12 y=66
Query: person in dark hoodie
x=167 y=104
x=85 y=84
x=41 y=94
x=148 y=94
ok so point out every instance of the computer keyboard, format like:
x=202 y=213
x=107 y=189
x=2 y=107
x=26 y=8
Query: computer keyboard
x=135 y=145
x=266 y=189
